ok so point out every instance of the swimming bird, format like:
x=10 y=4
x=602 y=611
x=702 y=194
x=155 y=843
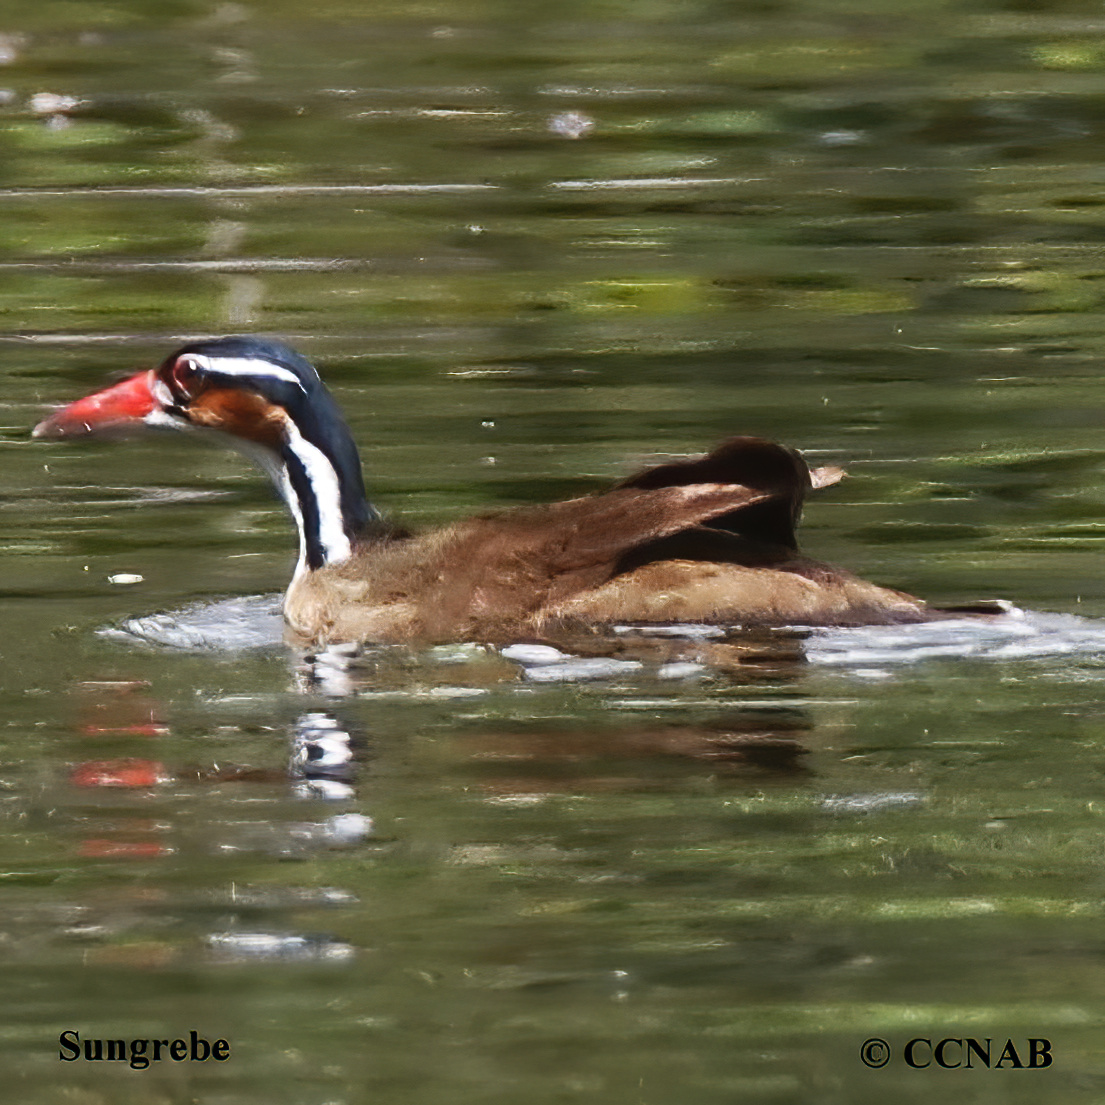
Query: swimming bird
x=707 y=540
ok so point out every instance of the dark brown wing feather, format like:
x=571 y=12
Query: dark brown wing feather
x=739 y=504
x=533 y=556
x=779 y=473
x=488 y=575
x=582 y=533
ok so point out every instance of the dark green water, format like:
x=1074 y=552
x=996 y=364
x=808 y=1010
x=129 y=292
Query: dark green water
x=873 y=231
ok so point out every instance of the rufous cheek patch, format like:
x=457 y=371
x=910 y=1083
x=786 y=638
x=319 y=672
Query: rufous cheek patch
x=241 y=413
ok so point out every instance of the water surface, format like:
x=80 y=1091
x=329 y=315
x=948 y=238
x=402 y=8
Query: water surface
x=531 y=249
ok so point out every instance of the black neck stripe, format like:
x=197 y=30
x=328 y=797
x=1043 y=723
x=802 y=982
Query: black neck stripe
x=309 y=512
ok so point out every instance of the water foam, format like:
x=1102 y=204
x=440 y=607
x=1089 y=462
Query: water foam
x=1013 y=635
x=231 y=625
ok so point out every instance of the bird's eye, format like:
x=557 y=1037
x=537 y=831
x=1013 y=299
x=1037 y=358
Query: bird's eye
x=184 y=378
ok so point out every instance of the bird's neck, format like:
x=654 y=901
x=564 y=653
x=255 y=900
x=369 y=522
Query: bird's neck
x=318 y=474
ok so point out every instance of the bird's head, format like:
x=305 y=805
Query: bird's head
x=246 y=387
x=271 y=403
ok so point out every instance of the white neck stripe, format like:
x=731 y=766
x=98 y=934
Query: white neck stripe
x=324 y=482
x=284 y=485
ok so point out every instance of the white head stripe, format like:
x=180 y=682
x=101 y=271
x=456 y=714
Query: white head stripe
x=245 y=366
